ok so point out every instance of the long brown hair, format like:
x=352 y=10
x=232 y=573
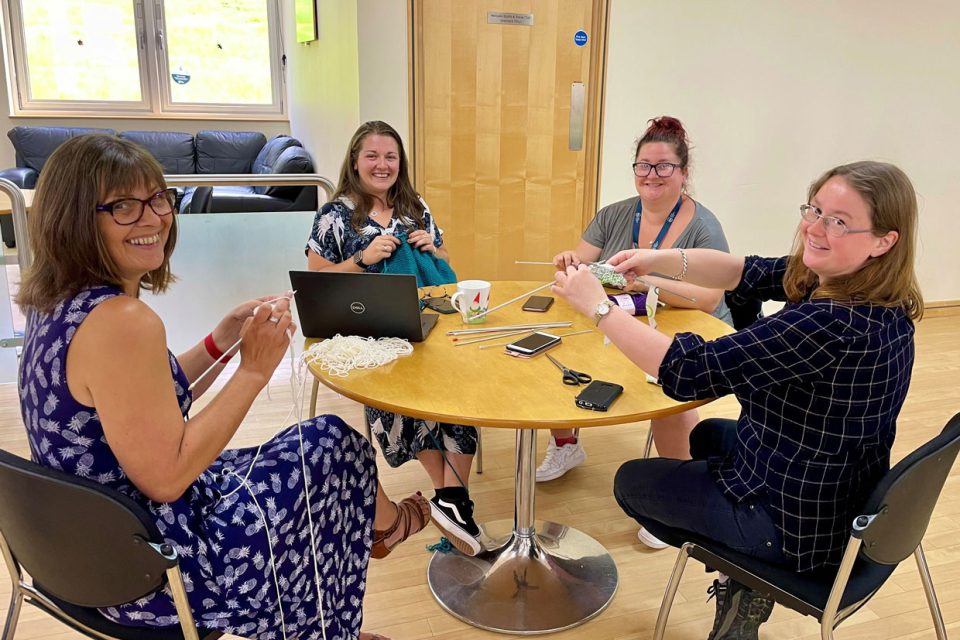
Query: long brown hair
x=401 y=196
x=889 y=279
x=69 y=254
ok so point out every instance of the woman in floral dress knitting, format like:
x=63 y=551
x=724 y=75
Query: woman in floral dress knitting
x=103 y=398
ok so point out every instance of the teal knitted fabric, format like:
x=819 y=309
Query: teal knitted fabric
x=429 y=269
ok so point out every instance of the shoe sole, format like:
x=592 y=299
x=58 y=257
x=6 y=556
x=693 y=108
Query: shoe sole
x=561 y=472
x=642 y=536
x=458 y=537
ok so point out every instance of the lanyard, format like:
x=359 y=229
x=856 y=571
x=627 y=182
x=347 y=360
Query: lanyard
x=663 y=229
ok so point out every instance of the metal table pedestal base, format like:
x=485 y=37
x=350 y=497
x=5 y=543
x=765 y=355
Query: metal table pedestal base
x=529 y=583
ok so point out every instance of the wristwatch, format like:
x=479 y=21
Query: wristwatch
x=602 y=311
x=358 y=259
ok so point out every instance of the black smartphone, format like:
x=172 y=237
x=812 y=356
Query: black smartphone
x=598 y=395
x=537 y=303
x=533 y=344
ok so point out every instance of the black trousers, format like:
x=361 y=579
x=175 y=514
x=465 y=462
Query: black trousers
x=664 y=495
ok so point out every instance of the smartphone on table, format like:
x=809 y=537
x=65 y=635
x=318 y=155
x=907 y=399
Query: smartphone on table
x=533 y=344
x=598 y=395
x=537 y=303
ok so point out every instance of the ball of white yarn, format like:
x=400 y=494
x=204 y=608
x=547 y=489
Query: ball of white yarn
x=341 y=354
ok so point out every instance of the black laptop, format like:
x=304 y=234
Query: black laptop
x=372 y=305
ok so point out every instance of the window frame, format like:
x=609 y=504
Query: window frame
x=149 y=21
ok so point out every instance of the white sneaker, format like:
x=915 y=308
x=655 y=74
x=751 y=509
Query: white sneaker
x=559 y=460
x=651 y=540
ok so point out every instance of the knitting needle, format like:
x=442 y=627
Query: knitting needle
x=496 y=337
x=236 y=344
x=531 y=262
x=512 y=300
x=604 y=263
x=532 y=326
x=559 y=335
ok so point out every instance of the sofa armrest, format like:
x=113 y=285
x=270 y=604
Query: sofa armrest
x=23 y=177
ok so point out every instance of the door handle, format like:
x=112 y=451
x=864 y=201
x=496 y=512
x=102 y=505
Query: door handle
x=578 y=94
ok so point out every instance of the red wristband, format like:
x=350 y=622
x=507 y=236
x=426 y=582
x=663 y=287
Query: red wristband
x=212 y=349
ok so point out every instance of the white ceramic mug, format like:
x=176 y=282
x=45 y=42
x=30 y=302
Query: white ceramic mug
x=471 y=299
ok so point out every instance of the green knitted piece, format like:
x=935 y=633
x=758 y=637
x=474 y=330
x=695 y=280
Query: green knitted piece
x=607 y=276
x=429 y=269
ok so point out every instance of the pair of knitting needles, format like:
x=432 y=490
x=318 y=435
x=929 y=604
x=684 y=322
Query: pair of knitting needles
x=236 y=344
x=504 y=333
x=645 y=282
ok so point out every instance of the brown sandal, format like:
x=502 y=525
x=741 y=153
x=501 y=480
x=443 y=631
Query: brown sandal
x=413 y=514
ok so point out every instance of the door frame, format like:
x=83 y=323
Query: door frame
x=593 y=117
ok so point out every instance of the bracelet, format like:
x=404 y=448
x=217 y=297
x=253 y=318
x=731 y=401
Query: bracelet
x=683 y=271
x=214 y=351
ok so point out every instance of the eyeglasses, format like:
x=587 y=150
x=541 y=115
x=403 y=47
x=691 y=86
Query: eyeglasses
x=663 y=169
x=438 y=299
x=130 y=210
x=831 y=224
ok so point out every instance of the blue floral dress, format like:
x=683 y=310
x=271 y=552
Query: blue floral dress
x=223 y=525
x=334 y=238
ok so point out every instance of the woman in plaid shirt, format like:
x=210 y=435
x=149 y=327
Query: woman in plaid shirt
x=820 y=382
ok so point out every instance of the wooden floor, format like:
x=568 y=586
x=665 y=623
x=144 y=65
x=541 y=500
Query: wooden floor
x=398 y=601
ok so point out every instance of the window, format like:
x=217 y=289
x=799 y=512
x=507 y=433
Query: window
x=145 y=57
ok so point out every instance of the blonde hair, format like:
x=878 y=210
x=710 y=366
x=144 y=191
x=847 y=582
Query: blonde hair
x=888 y=280
x=69 y=254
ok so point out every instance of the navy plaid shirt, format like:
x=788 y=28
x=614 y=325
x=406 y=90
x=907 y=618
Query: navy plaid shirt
x=820 y=385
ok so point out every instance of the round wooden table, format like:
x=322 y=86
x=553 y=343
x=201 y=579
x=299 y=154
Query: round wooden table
x=533 y=576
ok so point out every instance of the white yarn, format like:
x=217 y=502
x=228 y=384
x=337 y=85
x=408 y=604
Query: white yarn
x=341 y=354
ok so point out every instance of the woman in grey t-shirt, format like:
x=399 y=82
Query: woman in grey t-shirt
x=660 y=216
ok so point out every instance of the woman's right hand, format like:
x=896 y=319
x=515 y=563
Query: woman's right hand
x=566 y=259
x=264 y=338
x=634 y=263
x=379 y=249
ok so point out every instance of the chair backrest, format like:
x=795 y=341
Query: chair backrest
x=81 y=541
x=904 y=499
x=743 y=314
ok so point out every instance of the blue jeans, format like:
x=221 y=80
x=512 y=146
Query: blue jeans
x=682 y=494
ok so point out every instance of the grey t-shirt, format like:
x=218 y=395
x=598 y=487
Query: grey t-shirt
x=612 y=231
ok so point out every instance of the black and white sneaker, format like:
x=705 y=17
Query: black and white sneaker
x=452 y=512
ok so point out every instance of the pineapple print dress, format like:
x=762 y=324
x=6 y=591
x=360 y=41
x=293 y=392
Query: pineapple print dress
x=241 y=529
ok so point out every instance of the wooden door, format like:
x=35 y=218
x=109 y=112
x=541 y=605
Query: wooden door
x=495 y=150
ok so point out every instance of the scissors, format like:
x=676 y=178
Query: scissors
x=571 y=377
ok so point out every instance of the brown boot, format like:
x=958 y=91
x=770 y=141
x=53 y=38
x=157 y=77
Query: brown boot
x=413 y=514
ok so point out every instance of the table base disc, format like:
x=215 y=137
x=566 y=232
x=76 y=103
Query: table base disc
x=554 y=580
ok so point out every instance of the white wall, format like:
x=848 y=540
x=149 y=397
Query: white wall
x=323 y=83
x=774 y=93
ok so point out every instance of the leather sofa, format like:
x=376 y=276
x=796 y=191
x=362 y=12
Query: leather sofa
x=183 y=153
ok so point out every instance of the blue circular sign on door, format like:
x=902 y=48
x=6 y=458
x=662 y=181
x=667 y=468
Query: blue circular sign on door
x=580 y=38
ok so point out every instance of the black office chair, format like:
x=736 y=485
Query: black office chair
x=84 y=546
x=894 y=519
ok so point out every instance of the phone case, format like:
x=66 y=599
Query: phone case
x=537 y=303
x=598 y=395
x=533 y=344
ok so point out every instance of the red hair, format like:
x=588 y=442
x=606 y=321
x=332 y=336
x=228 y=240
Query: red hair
x=669 y=130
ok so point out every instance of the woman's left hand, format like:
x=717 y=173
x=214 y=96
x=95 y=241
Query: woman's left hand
x=422 y=240
x=580 y=288
x=227 y=331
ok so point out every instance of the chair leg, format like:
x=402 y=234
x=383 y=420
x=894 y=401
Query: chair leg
x=671 y=592
x=479 y=450
x=932 y=601
x=184 y=612
x=313 y=397
x=647 y=447
x=13 y=614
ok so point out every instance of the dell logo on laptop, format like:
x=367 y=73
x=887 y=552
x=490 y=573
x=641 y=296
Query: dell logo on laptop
x=357 y=307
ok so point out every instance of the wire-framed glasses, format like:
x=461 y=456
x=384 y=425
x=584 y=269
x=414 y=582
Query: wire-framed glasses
x=831 y=224
x=129 y=210
x=436 y=298
x=663 y=169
